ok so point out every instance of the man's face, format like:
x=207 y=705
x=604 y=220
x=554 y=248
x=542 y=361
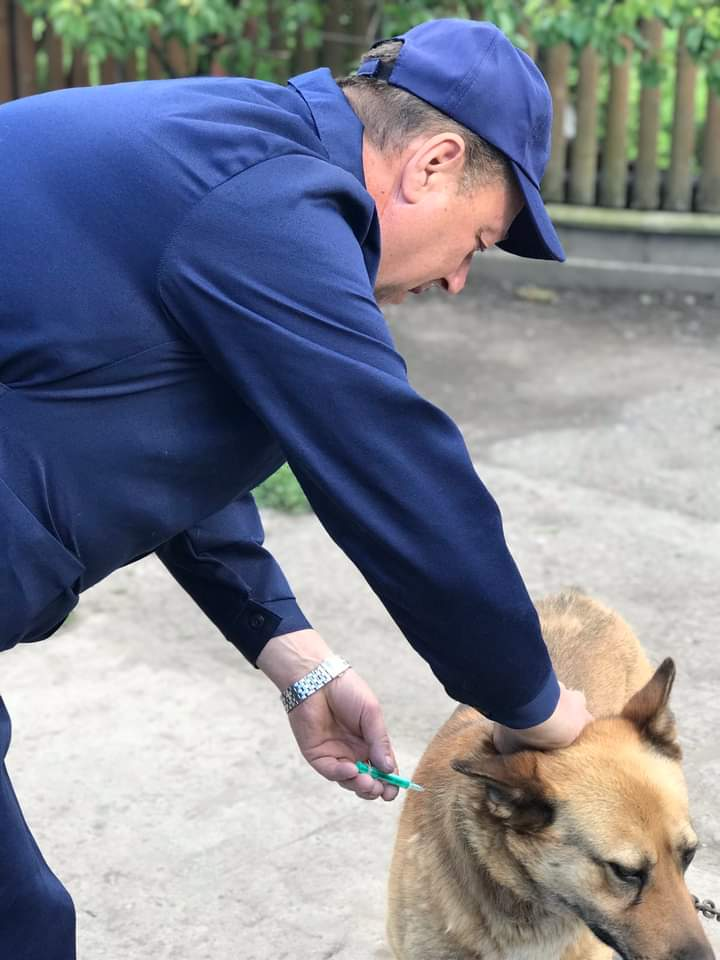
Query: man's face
x=433 y=243
x=430 y=228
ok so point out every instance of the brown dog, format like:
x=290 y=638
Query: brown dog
x=559 y=855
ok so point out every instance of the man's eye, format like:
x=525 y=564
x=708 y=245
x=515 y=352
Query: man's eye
x=627 y=874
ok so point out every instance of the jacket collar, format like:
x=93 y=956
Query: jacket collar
x=340 y=130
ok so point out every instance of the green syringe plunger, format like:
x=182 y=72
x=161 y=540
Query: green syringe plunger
x=387 y=777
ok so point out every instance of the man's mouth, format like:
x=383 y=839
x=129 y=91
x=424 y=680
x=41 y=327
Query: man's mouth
x=423 y=287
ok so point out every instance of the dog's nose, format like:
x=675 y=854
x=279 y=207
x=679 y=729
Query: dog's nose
x=695 y=950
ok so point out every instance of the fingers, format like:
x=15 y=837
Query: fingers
x=574 y=706
x=565 y=724
x=380 y=753
x=338 y=770
x=374 y=732
x=345 y=774
x=366 y=788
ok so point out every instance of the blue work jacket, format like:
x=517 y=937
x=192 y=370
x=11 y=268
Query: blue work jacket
x=186 y=301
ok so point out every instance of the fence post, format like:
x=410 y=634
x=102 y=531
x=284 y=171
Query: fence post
x=154 y=65
x=335 y=51
x=709 y=187
x=304 y=57
x=25 y=76
x=646 y=181
x=532 y=48
x=360 y=28
x=56 y=69
x=557 y=63
x=79 y=74
x=177 y=57
x=613 y=179
x=277 y=49
x=583 y=170
x=129 y=68
x=679 y=188
x=109 y=70
x=7 y=91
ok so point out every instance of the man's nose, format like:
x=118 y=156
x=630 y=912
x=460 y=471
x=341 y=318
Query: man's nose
x=454 y=282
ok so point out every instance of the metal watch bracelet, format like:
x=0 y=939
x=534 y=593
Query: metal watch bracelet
x=322 y=674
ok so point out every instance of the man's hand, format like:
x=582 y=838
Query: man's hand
x=559 y=730
x=339 y=724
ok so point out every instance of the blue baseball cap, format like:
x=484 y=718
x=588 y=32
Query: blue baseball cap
x=470 y=71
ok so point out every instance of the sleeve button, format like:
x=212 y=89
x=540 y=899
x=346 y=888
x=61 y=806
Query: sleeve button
x=256 y=621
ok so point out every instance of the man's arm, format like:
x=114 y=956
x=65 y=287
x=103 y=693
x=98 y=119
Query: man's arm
x=223 y=565
x=267 y=278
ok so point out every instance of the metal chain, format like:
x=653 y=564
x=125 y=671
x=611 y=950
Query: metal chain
x=707 y=908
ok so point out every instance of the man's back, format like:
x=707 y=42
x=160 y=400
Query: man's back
x=115 y=431
x=93 y=184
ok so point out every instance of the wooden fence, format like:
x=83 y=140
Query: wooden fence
x=612 y=147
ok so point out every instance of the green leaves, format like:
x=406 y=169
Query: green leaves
x=260 y=36
x=713 y=74
x=652 y=72
x=281 y=491
x=108 y=28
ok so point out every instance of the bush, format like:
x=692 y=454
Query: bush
x=281 y=491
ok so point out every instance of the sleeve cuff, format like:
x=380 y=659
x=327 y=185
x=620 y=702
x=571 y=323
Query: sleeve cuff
x=539 y=709
x=258 y=622
x=519 y=718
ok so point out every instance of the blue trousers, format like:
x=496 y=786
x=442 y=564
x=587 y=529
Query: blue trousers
x=37 y=917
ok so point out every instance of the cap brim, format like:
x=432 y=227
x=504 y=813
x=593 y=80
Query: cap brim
x=532 y=233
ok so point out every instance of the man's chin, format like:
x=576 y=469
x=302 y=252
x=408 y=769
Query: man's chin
x=385 y=295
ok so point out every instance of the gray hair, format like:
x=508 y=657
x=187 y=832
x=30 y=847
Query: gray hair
x=392 y=117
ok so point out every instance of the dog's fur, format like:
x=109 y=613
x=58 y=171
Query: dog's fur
x=511 y=857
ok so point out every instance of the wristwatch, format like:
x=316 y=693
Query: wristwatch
x=322 y=674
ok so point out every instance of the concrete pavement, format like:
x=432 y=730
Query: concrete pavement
x=155 y=766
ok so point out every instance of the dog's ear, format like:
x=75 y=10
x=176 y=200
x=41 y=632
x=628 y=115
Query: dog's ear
x=648 y=710
x=513 y=793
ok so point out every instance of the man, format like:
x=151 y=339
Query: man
x=191 y=271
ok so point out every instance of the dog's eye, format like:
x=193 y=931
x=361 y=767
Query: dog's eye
x=628 y=874
x=687 y=857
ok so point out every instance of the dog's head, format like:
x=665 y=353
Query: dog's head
x=600 y=828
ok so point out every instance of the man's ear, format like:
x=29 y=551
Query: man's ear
x=430 y=163
x=513 y=791
x=648 y=710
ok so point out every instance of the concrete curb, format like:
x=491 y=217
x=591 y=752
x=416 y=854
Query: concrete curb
x=621 y=250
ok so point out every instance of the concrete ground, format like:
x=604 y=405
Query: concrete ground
x=155 y=766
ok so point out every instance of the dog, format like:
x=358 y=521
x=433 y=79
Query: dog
x=561 y=855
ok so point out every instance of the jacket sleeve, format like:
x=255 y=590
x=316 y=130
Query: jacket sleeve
x=222 y=564
x=267 y=277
